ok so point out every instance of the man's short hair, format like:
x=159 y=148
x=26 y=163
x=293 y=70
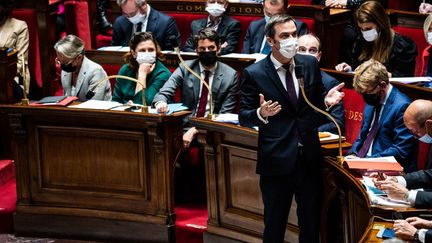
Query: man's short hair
x=368 y=75
x=138 y=2
x=207 y=34
x=277 y=19
x=312 y=35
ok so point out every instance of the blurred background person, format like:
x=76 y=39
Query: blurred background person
x=14 y=34
x=142 y=60
x=102 y=16
x=310 y=44
x=381 y=43
x=138 y=16
x=227 y=28
x=80 y=74
x=255 y=40
x=427 y=63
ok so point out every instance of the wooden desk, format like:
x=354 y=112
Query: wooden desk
x=94 y=174
x=235 y=208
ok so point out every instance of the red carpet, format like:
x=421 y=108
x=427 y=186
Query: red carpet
x=191 y=223
x=7 y=206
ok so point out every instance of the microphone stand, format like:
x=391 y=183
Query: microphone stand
x=210 y=116
x=24 y=101
x=340 y=158
x=145 y=108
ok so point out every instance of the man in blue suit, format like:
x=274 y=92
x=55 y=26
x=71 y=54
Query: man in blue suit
x=383 y=132
x=310 y=44
x=255 y=41
x=289 y=152
x=138 y=16
x=226 y=27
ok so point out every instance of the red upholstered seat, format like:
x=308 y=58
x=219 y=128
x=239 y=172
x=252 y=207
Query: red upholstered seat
x=425 y=60
x=184 y=21
x=103 y=40
x=423 y=155
x=77 y=21
x=417 y=35
x=29 y=16
x=353 y=106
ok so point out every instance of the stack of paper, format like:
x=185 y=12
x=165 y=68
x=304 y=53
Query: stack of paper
x=383 y=164
x=326 y=137
x=378 y=197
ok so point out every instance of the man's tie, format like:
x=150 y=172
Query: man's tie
x=266 y=49
x=203 y=100
x=139 y=27
x=371 y=135
x=290 y=85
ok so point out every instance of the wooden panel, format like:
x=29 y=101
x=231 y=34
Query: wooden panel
x=103 y=172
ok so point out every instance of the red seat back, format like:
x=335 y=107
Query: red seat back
x=29 y=16
x=425 y=60
x=403 y=5
x=353 y=106
x=184 y=21
x=423 y=155
x=417 y=35
x=77 y=21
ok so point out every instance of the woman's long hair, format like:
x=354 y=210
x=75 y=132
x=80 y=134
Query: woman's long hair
x=380 y=49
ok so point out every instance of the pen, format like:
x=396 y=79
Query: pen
x=381 y=176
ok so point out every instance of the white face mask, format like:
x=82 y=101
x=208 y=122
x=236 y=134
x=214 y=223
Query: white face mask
x=215 y=9
x=137 y=18
x=429 y=38
x=370 y=35
x=288 y=47
x=426 y=139
x=146 y=57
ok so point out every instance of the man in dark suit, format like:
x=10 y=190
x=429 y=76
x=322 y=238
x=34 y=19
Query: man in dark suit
x=418 y=119
x=221 y=78
x=383 y=132
x=310 y=44
x=138 y=16
x=226 y=27
x=289 y=153
x=255 y=41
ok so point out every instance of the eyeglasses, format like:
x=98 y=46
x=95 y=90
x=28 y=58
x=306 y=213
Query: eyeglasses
x=67 y=63
x=312 y=50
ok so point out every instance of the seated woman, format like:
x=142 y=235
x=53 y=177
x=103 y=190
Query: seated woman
x=143 y=63
x=79 y=74
x=14 y=34
x=381 y=43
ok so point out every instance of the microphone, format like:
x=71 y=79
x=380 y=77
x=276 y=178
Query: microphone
x=298 y=69
x=174 y=43
x=91 y=92
x=24 y=101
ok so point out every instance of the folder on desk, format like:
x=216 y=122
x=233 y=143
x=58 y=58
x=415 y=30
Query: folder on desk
x=55 y=100
x=383 y=164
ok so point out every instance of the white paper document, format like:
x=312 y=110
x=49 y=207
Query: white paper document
x=97 y=105
x=256 y=56
x=227 y=118
x=389 y=159
x=378 y=197
x=411 y=80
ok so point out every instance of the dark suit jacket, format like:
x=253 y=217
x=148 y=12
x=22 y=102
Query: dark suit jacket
x=224 y=88
x=256 y=32
x=229 y=28
x=421 y=179
x=393 y=137
x=162 y=27
x=277 y=140
x=336 y=111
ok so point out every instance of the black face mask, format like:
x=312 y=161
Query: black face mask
x=69 y=68
x=372 y=99
x=207 y=58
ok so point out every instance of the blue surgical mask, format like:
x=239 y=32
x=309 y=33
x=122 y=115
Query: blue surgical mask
x=266 y=17
x=426 y=139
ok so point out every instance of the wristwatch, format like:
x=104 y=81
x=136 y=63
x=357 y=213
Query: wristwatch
x=416 y=236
